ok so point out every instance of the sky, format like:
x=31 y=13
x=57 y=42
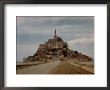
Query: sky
x=77 y=31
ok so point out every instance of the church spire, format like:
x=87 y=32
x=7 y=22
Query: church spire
x=55 y=31
x=55 y=36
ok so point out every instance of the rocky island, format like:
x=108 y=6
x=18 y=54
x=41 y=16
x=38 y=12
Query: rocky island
x=56 y=55
x=55 y=49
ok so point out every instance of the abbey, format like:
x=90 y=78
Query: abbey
x=55 y=43
x=55 y=49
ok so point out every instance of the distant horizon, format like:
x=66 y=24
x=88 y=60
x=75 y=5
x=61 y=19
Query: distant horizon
x=77 y=31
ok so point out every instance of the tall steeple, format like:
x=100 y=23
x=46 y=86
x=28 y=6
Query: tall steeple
x=55 y=36
x=55 y=31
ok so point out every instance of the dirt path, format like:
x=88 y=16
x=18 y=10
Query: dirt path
x=66 y=68
x=56 y=67
x=39 y=69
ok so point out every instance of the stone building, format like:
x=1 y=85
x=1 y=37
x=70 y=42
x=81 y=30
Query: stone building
x=54 y=48
x=55 y=43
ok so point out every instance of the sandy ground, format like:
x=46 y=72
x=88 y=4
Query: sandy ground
x=58 y=67
x=67 y=68
x=39 y=69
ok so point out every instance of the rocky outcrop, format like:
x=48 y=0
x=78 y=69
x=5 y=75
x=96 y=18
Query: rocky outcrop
x=55 y=49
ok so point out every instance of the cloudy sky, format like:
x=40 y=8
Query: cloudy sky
x=77 y=31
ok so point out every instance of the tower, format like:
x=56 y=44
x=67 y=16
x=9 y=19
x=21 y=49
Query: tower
x=55 y=36
x=55 y=31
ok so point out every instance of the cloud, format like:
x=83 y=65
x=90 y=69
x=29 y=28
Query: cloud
x=84 y=45
x=40 y=18
x=36 y=24
x=43 y=19
x=81 y=41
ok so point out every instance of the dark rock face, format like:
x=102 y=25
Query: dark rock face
x=55 y=49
